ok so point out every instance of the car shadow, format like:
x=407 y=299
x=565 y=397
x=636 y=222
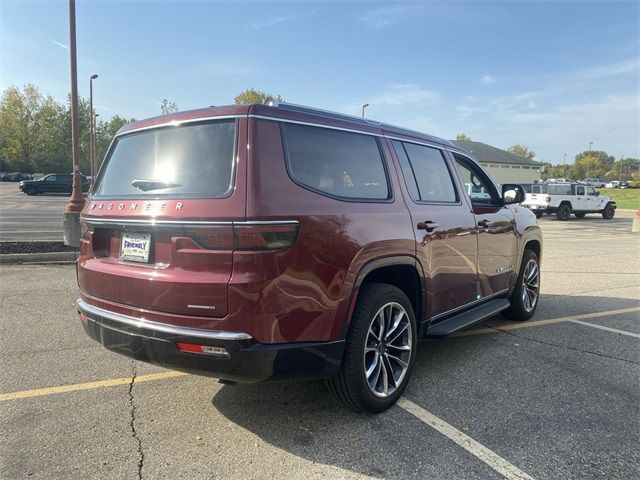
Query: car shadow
x=303 y=419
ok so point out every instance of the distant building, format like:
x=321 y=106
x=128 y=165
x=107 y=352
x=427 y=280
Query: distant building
x=503 y=166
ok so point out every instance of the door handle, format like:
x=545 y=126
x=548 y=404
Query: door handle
x=428 y=225
x=483 y=223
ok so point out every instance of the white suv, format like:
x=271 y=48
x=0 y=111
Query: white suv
x=563 y=199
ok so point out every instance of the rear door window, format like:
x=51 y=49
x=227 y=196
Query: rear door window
x=426 y=174
x=195 y=160
x=336 y=163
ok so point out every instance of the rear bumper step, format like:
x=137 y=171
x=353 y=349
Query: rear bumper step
x=245 y=360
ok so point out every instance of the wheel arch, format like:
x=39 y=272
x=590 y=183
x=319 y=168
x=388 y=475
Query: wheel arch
x=402 y=271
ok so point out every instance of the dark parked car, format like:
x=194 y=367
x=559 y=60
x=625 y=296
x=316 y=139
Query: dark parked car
x=258 y=242
x=54 y=183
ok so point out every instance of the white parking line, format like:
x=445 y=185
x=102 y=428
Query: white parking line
x=492 y=459
x=608 y=329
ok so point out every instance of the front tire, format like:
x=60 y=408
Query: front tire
x=564 y=212
x=609 y=212
x=380 y=350
x=525 y=295
x=31 y=191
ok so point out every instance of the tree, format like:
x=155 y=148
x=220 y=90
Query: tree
x=461 y=137
x=251 y=96
x=26 y=117
x=168 y=107
x=105 y=131
x=521 y=151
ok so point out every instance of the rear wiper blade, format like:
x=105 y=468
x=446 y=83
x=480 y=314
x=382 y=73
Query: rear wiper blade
x=146 y=185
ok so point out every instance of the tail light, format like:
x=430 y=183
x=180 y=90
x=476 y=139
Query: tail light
x=263 y=236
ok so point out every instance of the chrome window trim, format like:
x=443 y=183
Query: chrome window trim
x=142 y=324
x=287 y=120
x=313 y=124
x=180 y=223
x=176 y=123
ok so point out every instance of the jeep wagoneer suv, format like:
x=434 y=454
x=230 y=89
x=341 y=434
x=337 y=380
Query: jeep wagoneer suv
x=257 y=242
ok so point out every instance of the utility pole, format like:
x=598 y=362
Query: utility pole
x=589 y=159
x=620 y=173
x=71 y=216
x=564 y=165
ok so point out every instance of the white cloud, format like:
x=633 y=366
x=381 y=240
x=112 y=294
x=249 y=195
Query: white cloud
x=487 y=80
x=61 y=45
x=272 y=22
x=404 y=94
x=384 y=16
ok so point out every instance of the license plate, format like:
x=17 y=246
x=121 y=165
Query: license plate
x=135 y=247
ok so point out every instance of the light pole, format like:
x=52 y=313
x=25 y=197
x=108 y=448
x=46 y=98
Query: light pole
x=620 y=173
x=92 y=136
x=564 y=165
x=364 y=105
x=589 y=159
x=94 y=145
x=71 y=216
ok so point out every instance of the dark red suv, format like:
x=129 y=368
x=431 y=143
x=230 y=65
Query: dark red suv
x=259 y=242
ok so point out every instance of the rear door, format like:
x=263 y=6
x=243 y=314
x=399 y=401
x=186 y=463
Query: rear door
x=495 y=227
x=159 y=224
x=443 y=225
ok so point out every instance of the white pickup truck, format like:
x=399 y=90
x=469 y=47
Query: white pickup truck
x=563 y=199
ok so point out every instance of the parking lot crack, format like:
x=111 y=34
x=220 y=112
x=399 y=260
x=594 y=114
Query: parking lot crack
x=550 y=344
x=132 y=422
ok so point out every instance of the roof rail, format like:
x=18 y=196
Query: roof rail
x=352 y=118
x=305 y=109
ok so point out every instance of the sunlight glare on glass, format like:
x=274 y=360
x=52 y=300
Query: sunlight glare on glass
x=165 y=172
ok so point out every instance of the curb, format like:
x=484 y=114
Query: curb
x=37 y=258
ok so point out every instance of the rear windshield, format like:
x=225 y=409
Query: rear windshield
x=188 y=161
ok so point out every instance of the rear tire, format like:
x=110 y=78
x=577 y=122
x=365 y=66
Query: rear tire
x=564 y=212
x=377 y=359
x=525 y=295
x=609 y=212
x=579 y=214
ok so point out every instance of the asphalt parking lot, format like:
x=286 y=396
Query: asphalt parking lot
x=557 y=397
x=25 y=218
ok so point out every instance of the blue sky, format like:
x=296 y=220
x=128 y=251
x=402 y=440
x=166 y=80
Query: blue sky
x=552 y=75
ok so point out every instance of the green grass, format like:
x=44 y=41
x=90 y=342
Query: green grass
x=624 y=197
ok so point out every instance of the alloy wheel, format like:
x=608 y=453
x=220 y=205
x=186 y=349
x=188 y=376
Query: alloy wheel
x=387 y=350
x=531 y=285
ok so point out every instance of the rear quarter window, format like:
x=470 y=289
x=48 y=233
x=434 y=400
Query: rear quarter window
x=194 y=160
x=336 y=163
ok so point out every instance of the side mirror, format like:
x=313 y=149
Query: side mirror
x=597 y=193
x=512 y=193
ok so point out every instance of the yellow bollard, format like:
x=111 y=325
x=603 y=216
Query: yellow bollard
x=635 y=228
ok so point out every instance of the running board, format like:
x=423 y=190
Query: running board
x=467 y=318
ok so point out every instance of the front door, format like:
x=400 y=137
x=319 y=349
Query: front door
x=444 y=227
x=495 y=227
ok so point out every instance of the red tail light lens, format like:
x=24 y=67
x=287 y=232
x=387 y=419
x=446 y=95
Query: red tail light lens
x=264 y=236
x=202 y=349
